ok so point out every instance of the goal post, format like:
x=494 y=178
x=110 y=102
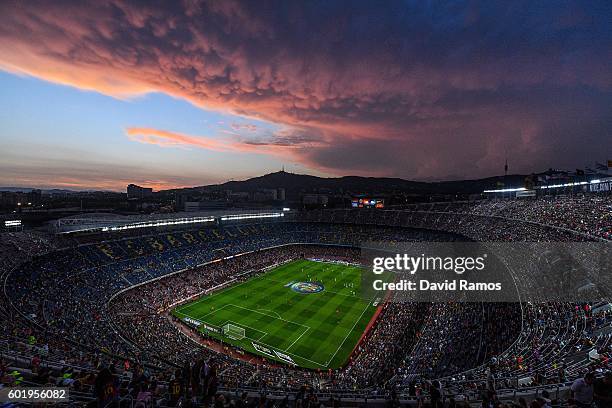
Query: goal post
x=233 y=331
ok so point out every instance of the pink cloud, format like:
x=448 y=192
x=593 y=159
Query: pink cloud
x=284 y=142
x=412 y=97
x=165 y=138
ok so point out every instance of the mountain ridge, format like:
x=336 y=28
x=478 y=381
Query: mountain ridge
x=294 y=183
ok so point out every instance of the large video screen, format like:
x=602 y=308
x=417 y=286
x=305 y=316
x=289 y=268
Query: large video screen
x=368 y=203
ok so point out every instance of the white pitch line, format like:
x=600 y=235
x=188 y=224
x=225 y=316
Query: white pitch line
x=214 y=311
x=295 y=341
x=271 y=311
x=348 y=334
x=274 y=348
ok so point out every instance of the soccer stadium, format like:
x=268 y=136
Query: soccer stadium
x=267 y=308
x=305 y=204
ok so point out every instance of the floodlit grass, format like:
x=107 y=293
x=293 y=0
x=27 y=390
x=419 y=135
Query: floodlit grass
x=313 y=330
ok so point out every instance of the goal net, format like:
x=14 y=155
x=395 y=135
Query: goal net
x=233 y=332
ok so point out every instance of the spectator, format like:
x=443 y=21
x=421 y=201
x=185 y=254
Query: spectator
x=582 y=390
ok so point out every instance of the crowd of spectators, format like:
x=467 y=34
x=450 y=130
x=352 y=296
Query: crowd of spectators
x=56 y=307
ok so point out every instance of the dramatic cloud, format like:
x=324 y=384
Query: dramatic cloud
x=420 y=90
x=282 y=143
x=164 y=138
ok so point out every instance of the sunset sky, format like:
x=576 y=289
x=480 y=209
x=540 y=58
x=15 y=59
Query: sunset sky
x=182 y=93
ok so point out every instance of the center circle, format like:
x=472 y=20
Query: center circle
x=307 y=287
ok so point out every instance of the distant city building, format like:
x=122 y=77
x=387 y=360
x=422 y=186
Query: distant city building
x=315 y=199
x=9 y=198
x=238 y=196
x=266 y=194
x=138 y=192
x=20 y=199
x=179 y=201
x=34 y=197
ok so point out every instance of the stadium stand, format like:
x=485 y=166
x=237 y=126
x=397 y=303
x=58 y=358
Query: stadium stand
x=90 y=312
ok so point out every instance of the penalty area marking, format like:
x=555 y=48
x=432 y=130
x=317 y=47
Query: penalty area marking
x=306 y=328
x=284 y=320
x=244 y=325
x=292 y=322
x=274 y=347
x=265 y=314
x=278 y=316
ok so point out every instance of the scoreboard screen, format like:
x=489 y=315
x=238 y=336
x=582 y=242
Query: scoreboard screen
x=367 y=203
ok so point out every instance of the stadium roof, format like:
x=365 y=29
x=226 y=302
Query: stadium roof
x=103 y=222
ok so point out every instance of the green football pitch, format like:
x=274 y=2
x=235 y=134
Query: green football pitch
x=304 y=312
